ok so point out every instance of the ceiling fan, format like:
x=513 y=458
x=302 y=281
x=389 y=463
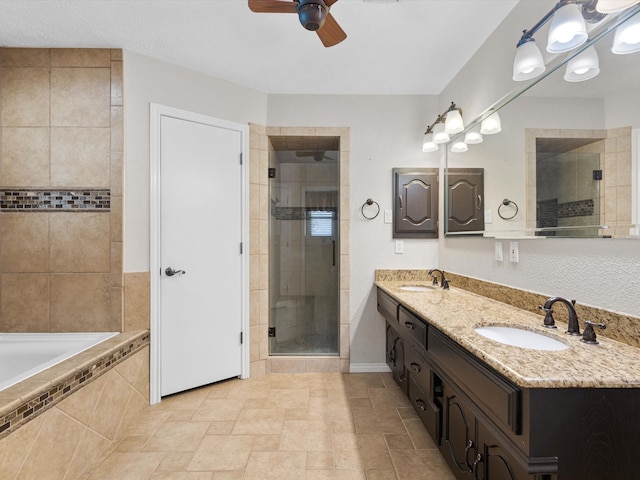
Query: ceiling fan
x=314 y=15
x=317 y=156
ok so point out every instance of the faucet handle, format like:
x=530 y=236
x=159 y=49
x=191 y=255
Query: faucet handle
x=589 y=335
x=549 y=321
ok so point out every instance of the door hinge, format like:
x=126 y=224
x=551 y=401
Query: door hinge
x=241 y=248
x=272 y=172
x=272 y=331
x=240 y=158
x=241 y=338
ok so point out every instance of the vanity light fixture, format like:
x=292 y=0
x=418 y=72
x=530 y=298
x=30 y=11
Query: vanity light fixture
x=627 y=37
x=568 y=30
x=613 y=6
x=447 y=123
x=491 y=124
x=459 y=147
x=583 y=67
x=473 y=136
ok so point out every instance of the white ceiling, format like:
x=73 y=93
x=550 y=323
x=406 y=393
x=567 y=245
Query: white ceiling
x=393 y=47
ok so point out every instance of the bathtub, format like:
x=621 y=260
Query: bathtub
x=23 y=355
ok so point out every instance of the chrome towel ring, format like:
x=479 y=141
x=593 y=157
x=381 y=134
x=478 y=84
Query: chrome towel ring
x=506 y=203
x=370 y=202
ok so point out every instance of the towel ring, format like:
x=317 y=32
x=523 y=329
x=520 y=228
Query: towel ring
x=367 y=203
x=505 y=203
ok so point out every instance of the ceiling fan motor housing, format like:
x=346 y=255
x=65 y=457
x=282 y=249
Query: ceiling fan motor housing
x=312 y=14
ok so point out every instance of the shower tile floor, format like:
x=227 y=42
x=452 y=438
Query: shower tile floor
x=279 y=426
x=307 y=345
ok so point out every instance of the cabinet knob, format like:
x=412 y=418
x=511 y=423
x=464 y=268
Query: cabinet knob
x=415 y=367
x=477 y=461
x=420 y=404
x=409 y=325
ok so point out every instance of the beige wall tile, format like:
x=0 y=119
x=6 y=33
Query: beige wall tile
x=111 y=405
x=80 y=302
x=90 y=450
x=25 y=97
x=117 y=130
x=25 y=157
x=25 y=242
x=116 y=54
x=26 y=57
x=15 y=447
x=136 y=301
x=116 y=320
x=82 y=404
x=81 y=97
x=115 y=220
x=24 y=303
x=116 y=83
x=53 y=450
x=117 y=174
x=135 y=371
x=80 y=242
x=80 y=157
x=80 y=57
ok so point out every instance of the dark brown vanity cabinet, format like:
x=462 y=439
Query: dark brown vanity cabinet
x=396 y=358
x=415 y=212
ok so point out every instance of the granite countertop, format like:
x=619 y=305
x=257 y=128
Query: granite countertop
x=455 y=312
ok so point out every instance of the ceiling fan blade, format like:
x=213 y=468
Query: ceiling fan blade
x=273 y=6
x=328 y=3
x=331 y=33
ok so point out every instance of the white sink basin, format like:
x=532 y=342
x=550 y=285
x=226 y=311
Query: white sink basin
x=416 y=288
x=519 y=337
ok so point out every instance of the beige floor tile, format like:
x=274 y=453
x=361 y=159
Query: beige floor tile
x=228 y=475
x=221 y=428
x=377 y=420
x=420 y=465
x=132 y=443
x=218 y=409
x=259 y=421
x=127 y=466
x=266 y=443
x=388 y=397
x=419 y=435
x=398 y=441
x=182 y=476
x=287 y=398
x=177 y=437
x=276 y=466
x=320 y=460
x=381 y=475
x=175 y=462
x=222 y=452
x=335 y=475
x=305 y=435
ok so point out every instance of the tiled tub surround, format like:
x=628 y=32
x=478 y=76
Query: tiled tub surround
x=61 y=134
x=610 y=364
x=57 y=423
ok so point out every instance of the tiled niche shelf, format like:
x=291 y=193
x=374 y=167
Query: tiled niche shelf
x=74 y=200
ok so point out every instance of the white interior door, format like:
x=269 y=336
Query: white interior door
x=200 y=238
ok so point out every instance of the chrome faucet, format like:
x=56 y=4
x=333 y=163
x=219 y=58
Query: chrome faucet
x=443 y=281
x=549 y=322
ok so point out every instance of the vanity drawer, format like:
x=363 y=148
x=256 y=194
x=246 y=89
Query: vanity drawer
x=497 y=397
x=429 y=413
x=387 y=306
x=412 y=325
x=418 y=370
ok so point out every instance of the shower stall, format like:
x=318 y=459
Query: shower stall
x=304 y=246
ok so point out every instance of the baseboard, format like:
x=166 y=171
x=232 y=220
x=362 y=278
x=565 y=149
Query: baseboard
x=369 y=368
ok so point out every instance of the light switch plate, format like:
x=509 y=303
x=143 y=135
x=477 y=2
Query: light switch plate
x=399 y=246
x=498 y=252
x=388 y=216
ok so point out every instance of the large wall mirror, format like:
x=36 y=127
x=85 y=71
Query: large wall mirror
x=567 y=157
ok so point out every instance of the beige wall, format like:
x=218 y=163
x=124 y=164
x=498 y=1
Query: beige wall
x=61 y=122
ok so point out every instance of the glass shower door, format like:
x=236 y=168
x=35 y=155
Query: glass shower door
x=304 y=269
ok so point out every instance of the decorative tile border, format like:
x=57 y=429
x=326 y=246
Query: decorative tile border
x=50 y=395
x=29 y=200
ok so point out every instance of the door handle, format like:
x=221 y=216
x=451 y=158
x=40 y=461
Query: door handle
x=170 y=272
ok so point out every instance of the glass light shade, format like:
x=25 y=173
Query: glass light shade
x=568 y=29
x=428 y=145
x=459 y=147
x=528 y=63
x=439 y=135
x=612 y=6
x=627 y=37
x=453 y=123
x=491 y=124
x=583 y=67
x=473 y=136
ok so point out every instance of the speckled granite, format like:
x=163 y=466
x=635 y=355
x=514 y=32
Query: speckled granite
x=610 y=364
x=620 y=327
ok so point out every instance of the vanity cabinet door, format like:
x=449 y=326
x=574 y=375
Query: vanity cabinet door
x=465 y=206
x=459 y=446
x=495 y=462
x=387 y=306
x=415 y=213
x=396 y=358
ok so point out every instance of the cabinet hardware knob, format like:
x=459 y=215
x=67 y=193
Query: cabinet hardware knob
x=475 y=465
x=415 y=367
x=420 y=404
x=409 y=325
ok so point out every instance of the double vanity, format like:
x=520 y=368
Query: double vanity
x=504 y=397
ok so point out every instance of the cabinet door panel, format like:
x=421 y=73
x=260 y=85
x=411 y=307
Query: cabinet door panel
x=429 y=413
x=459 y=432
x=413 y=325
x=387 y=306
x=416 y=202
x=465 y=199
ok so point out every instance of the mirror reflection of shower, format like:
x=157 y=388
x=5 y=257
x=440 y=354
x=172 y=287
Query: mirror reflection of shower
x=304 y=250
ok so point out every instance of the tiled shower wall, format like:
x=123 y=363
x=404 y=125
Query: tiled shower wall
x=61 y=139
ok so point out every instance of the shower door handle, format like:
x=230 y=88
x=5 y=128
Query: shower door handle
x=333 y=246
x=170 y=272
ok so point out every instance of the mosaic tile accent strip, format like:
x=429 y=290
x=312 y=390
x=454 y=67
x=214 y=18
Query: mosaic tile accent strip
x=296 y=213
x=42 y=400
x=579 y=208
x=29 y=200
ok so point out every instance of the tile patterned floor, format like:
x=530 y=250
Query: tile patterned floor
x=281 y=426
